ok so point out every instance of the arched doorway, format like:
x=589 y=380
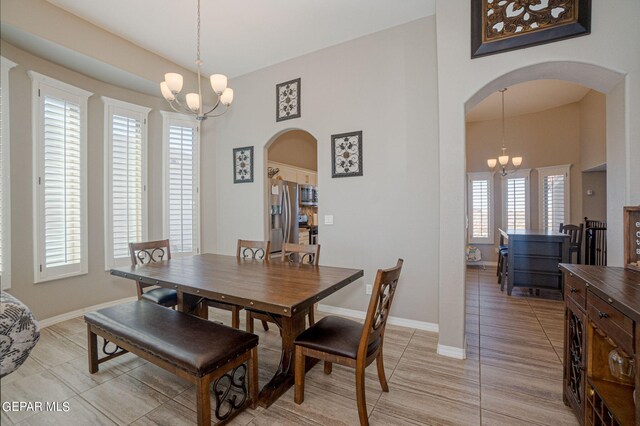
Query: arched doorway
x=452 y=209
x=291 y=163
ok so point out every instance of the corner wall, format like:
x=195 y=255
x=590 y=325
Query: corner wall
x=463 y=81
x=384 y=84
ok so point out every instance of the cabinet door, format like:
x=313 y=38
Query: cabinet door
x=288 y=174
x=313 y=179
x=574 y=357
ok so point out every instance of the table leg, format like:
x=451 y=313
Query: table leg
x=193 y=304
x=284 y=379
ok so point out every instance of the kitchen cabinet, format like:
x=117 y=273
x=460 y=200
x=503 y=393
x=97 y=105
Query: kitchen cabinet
x=295 y=174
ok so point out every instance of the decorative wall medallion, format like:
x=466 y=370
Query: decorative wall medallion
x=501 y=25
x=288 y=100
x=243 y=164
x=346 y=154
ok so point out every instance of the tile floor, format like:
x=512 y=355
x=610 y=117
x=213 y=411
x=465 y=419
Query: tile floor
x=512 y=376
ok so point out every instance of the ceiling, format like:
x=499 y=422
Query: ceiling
x=529 y=97
x=238 y=37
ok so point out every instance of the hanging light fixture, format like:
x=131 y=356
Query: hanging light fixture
x=504 y=158
x=193 y=102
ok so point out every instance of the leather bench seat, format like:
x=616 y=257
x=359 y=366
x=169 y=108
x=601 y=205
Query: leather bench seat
x=192 y=344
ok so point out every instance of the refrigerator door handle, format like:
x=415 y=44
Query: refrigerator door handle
x=286 y=213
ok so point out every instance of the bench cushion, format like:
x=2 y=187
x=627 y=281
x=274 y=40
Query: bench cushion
x=193 y=344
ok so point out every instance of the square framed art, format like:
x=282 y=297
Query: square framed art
x=346 y=154
x=243 y=164
x=288 y=100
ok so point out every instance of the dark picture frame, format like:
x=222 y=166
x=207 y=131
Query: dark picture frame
x=346 y=154
x=575 y=25
x=288 y=105
x=243 y=164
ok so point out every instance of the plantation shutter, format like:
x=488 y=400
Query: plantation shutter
x=516 y=202
x=553 y=189
x=127 y=190
x=480 y=208
x=61 y=181
x=182 y=189
x=2 y=177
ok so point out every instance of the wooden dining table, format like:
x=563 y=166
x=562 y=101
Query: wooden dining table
x=283 y=290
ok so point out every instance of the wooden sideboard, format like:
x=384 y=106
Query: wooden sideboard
x=602 y=313
x=533 y=258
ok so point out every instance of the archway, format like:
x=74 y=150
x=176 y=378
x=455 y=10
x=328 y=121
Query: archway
x=290 y=155
x=452 y=265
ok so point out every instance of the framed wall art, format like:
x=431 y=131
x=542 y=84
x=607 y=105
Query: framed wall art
x=288 y=100
x=503 y=25
x=243 y=164
x=346 y=154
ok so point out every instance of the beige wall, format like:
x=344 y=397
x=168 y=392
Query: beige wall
x=542 y=139
x=61 y=296
x=593 y=130
x=594 y=206
x=296 y=148
x=387 y=213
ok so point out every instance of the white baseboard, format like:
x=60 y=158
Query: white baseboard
x=452 y=351
x=403 y=322
x=73 y=314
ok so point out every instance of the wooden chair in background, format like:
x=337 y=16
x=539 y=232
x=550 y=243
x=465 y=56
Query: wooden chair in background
x=148 y=252
x=295 y=253
x=257 y=250
x=347 y=342
x=575 y=240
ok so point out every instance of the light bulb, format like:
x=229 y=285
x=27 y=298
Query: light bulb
x=227 y=97
x=516 y=161
x=174 y=81
x=218 y=83
x=492 y=163
x=166 y=92
x=193 y=101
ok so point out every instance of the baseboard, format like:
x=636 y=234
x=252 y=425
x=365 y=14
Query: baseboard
x=452 y=351
x=403 y=322
x=73 y=314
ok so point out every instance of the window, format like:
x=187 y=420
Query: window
x=515 y=200
x=480 y=203
x=181 y=183
x=125 y=178
x=5 y=178
x=553 y=190
x=60 y=167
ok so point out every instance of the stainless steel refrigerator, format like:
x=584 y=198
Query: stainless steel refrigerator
x=283 y=221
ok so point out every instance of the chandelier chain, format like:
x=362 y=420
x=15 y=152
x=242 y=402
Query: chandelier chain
x=198 y=42
x=501 y=91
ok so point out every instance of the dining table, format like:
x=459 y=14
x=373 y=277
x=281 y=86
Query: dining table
x=283 y=290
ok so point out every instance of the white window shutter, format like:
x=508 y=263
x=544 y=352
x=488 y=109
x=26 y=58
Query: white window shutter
x=553 y=188
x=181 y=185
x=515 y=199
x=60 y=144
x=480 y=204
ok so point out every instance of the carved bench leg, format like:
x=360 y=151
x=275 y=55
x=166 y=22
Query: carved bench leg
x=203 y=401
x=93 y=350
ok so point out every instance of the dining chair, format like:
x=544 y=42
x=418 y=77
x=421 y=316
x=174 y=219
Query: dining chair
x=294 y=253
x=575 y=239
x=149 y=252
x=256 y=250
x=346 y=342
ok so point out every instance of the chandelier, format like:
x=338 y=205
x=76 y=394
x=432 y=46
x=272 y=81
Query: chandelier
x=193 y=102
x=504 y=158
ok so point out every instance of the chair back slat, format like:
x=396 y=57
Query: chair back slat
x=149 y=252
x=257 y=250
x=301 y=253
x=384 y=290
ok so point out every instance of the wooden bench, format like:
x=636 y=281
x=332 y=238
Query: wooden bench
x=194 y=349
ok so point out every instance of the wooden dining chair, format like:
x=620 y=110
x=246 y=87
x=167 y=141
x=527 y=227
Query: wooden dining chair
x=294 y=253
x=148 y=252
x=349 y=343
x=256 y=250
x=575 y=240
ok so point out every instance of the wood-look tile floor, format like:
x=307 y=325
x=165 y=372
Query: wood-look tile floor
x=512 y=376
